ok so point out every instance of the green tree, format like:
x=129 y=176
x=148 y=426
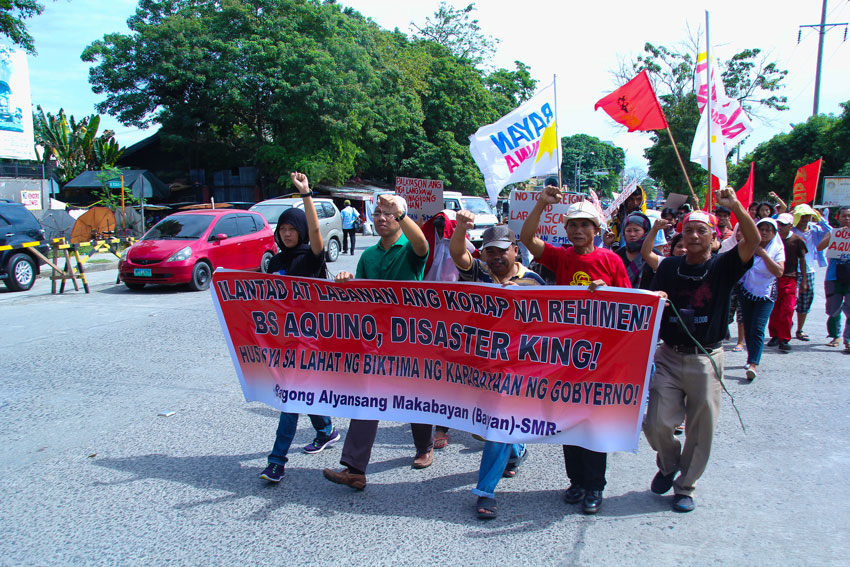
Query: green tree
x=593 y=156
x=456 y=29
x=12 y=25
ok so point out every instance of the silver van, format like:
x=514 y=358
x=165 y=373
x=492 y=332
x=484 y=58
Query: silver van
x=330 y=221
x=484 y=215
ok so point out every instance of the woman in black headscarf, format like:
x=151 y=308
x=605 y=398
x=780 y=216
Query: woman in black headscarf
x=301 y=254
x=637 y=226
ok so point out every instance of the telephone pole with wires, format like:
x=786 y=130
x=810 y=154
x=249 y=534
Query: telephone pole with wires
x=823 y=27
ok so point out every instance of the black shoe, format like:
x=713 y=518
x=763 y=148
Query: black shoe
x=592 y=501
x=574 y=494
x=662 y=482
x=773 y=341
x=784 y=346
x=682 y=503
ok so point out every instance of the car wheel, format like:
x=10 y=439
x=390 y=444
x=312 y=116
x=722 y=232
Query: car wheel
x=22 y=272
x=264 y=263
x=333 y=250
x=201 y=275
x=134 y=286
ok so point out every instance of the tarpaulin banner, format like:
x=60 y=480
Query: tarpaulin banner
x=517 y=364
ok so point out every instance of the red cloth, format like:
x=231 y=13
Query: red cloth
x=635 y=105
x=781 y=318
x=806 y=183
x=581 y=269
x=744 y=194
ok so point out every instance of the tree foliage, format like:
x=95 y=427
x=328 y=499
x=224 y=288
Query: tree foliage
x=12 y=16
x=300 y=85
x=456 y=29
x=593 y=156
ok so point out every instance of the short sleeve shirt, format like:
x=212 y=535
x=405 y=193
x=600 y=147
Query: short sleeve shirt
x=400 y=262
x=572 y=268
x=701 y=294
x=480 y=272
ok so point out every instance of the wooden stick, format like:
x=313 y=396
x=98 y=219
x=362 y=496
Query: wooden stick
x=682 y=164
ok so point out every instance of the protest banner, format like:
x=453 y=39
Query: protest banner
x=519 y=364
x=424 y=197
x=551 y=228
x=836 y=191
x=621 y=198
x=839 y=244
x=16 y=129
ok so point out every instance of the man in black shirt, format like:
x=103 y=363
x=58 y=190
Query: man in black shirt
x=685 y=384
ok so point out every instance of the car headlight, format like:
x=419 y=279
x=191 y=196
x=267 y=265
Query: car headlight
x=180 y=255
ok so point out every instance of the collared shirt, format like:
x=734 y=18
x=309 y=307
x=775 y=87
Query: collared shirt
x=399 y=262
x=480 y=272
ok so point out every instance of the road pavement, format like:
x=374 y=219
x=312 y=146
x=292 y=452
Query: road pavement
x=91 y=474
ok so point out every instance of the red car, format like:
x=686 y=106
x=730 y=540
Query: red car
x=188 y=246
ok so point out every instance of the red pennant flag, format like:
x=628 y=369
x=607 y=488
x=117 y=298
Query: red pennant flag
x=709 y=195
x=745 y=193
x=635 y=105
x=806 y=183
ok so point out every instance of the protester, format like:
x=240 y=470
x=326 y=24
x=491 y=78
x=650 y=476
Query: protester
x=752 y=210
x=782 y=317
x=669 y=215
x=765 y=210
x=812 y=233
x=301 y=254
x=724 y=221
x=615 y=236
x=836 y=285
x=735 y=313
x=580 y=264
x=781 y=207
x=757 y=289
x=400 y=254
x=639 y=272
x=685 y=385
x=349 y=229
x=498 y=265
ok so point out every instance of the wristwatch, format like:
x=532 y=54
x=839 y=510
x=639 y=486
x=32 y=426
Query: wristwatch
x=400 y=217
x=307 y=194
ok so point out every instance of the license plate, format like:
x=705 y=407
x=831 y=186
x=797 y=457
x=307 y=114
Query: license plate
x=142 y=272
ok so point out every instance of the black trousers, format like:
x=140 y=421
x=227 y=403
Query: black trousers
x=585 y=468
x=348 y=234
x=357 y=449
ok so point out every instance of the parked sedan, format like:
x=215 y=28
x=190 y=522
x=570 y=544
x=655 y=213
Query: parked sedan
x=330 y=221
x=188 y=246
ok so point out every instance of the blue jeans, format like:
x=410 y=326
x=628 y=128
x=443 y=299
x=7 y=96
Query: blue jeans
x=286 y=432
x=494 y=459
x=756 y=313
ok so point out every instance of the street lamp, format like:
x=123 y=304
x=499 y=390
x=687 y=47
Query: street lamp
x=578 y=171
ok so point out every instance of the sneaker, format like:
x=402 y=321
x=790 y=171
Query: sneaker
x=662 y=482
x=773 y=341
x=273 y=473
x=346 y=477
x=592 y=501
x=574 y=494
x=784 y=346
x=320 y=443
x=682 y=503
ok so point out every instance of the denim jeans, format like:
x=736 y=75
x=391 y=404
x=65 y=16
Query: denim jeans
x=286 y=432
x=494 y=459
x=756 y=314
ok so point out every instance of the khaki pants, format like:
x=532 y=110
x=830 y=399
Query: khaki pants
x=684 y=386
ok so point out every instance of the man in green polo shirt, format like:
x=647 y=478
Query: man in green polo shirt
x=399 y=255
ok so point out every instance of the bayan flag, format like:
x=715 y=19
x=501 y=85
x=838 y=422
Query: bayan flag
x=727 y=112
x=806 y=183
x=700 y=149
x=521 y=145
x=635 y=105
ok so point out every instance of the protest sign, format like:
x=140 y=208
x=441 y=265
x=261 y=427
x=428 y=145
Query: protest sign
x=551 y=228
x=836 y=191
x=424 y=197
x=520 y=364
x=839 y=243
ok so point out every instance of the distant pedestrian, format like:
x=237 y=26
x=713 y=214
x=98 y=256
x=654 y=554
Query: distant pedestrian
x=350 y=216
x=809 y=226
x=837 y=287
x=782 y=317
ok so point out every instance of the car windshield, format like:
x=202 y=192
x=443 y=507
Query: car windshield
x=271 y=211
x=477 y=205
x=180 y=227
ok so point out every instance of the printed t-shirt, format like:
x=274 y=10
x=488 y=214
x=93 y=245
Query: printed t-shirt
x=581 y=269
x=701 y=293
x=480 y=272
x=795 y=250
x=400 y=262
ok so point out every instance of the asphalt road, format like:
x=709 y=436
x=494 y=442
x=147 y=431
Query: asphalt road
x=90 y=474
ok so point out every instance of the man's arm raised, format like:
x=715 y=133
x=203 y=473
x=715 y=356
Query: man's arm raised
x=528 y=234
x=747 y=226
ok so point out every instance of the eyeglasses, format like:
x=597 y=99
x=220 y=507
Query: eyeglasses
x=378 y=214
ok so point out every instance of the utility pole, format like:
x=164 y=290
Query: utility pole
x=823 y=27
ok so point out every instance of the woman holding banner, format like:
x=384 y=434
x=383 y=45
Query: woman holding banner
x=301 y=254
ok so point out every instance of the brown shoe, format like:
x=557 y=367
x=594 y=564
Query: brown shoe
x=345 y=476
x=424 y=460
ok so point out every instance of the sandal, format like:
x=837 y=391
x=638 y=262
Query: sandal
x=801 y=336
x=441 y=440
x=512 y=468
x=487 y=509
x=834 y=342
x=738 y=348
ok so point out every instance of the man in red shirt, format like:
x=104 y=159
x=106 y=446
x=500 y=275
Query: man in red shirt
x=580 y=264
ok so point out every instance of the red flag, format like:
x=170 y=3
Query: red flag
x=635 y=105
x=806 y=183
x=745 y=193
x=709 y=195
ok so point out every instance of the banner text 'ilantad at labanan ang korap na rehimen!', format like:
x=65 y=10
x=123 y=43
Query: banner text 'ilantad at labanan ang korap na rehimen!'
x=546 y=364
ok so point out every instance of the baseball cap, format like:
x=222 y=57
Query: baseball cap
x=583 y=210
x=499 y=236
x=700 y=216
x=769 y=221
x=785 y=218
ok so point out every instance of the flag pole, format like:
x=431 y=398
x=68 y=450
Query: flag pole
x=708 y=105
x=557 y=139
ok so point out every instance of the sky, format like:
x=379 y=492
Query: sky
x=579 y=43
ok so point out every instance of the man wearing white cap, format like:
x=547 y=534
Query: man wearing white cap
x=782 y=316
x=811 y=233
x=685 y=385
x=586 y=265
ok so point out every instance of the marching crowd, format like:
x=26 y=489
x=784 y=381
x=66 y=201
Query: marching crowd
x=757 y=272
